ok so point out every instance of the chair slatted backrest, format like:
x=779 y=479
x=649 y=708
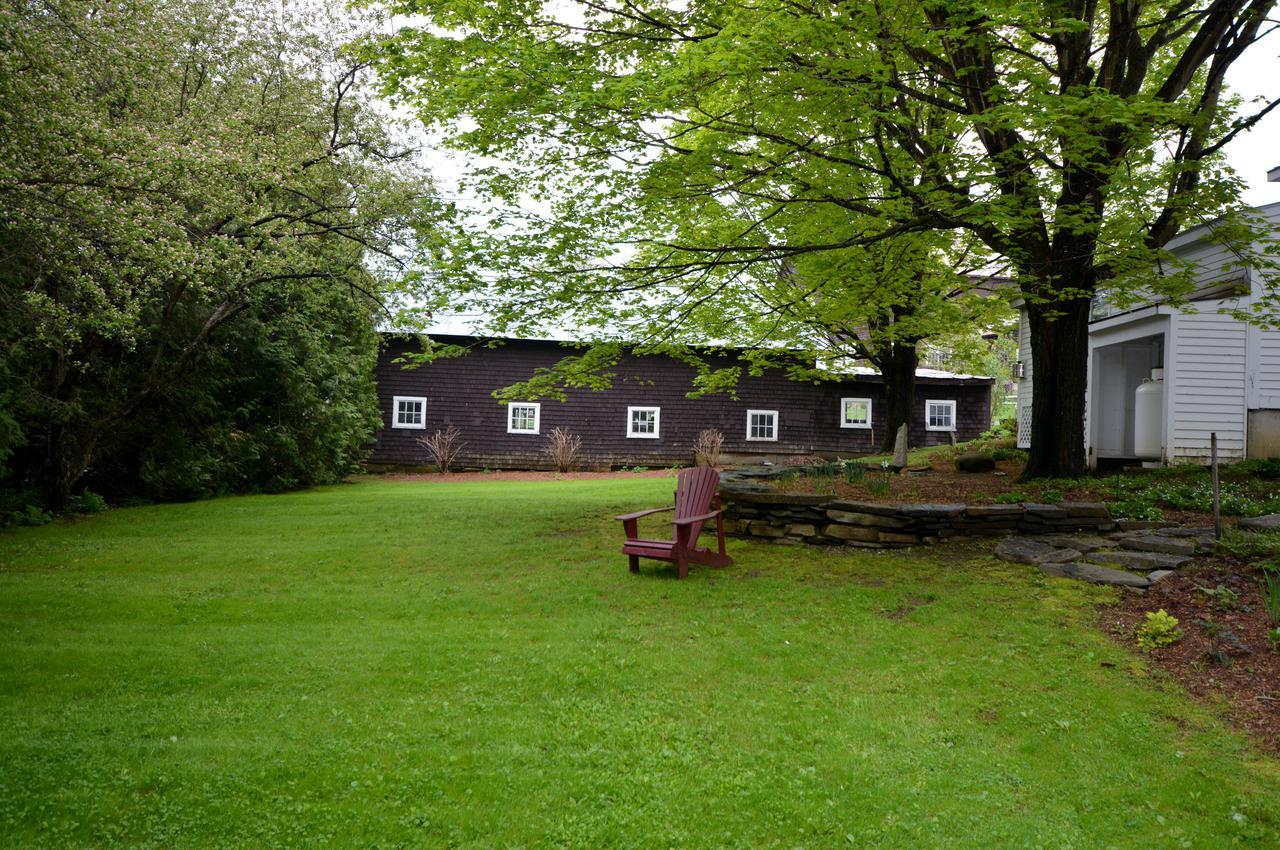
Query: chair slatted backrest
x=695 y=492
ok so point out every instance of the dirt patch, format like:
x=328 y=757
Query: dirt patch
x=1237 y=665
x=517 y=475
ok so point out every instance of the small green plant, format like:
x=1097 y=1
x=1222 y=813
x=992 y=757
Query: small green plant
x=823 y=471
x=1222 y=641
x=1221 y=598
x=1160 y=629
x=1249 y=545
x=1000 y=454
x=854 y=472
x=1013 y=498
x=879 y=482
x=639 y=469
x=1273 y=639
x=787 y=477
x=1270 y=583
x=87 y=502
x=31 y=515
x=1051 y=497
x=1139 y=507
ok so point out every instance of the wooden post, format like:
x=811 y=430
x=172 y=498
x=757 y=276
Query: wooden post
x=1213 y=472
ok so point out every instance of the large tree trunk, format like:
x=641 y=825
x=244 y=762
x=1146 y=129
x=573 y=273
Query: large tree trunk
x=1059 y=371
x=898 y=367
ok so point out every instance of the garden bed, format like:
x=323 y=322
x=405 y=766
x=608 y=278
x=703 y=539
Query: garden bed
x=1224 y=653
x=1179 y=494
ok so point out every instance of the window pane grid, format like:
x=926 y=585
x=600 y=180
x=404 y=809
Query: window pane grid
x=762 y=425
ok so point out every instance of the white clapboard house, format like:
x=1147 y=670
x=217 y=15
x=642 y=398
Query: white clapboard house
x=1204 y=371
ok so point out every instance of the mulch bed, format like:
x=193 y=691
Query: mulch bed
x=942 y=483
x=1250 y=682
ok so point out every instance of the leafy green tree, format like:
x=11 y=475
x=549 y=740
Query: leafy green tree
x=661 y=151
x=181 y=186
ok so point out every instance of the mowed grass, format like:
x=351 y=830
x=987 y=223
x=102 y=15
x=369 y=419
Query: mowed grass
x=471 y=665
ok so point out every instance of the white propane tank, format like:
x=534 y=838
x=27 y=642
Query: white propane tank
x=1148 y=417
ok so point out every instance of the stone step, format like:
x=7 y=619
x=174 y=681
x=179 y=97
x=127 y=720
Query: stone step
x=1152 y=543
x=1095 y=574
x=1139 y=560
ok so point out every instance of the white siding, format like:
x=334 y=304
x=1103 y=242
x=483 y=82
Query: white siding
x=1209 y=386
x=1024 y=385
x=1264 y=372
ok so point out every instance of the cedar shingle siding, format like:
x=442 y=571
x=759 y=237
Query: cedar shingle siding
x=458 y=392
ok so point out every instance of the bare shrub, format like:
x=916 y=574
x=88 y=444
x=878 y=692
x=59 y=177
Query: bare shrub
x=562 y=448
x=707 y=447
x=444 y=447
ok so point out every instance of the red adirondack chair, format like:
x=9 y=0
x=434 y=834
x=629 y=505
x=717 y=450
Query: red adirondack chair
x=695 y=491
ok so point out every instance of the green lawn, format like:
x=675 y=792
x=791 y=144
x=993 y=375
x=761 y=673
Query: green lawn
x=471 y=665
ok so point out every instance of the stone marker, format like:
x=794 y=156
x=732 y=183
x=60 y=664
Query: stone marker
x=900 y=448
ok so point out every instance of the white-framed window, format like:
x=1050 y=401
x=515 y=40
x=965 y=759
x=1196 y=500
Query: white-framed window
x=855 y=413
x=524 y=417
x=644 y=422
x=762 y=425
x=939 y=415
x=408 y=412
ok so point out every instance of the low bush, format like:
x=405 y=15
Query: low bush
x=1250 y=545
x=562 y=448
x=708 y=447
x=444 y=447
x=87 y=502
x=1159 y=629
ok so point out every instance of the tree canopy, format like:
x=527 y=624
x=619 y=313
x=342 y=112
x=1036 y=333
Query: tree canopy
x=202 y=214
x=662 y=152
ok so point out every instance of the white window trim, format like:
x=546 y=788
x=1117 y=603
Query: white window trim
x=776 y=426
x=949 y=402
x=657 y=423
x=537 y=417
x=844 y=423
x=395 y=412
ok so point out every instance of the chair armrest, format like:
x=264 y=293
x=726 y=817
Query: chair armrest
x=639 y=514
x=692 y=519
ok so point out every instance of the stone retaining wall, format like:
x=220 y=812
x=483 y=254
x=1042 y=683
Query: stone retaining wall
x=806 y=518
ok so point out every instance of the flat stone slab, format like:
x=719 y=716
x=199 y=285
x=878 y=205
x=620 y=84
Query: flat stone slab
x=1140 y=524
x=1185 y=532
x=1153 y=543
x=1269 y=522
x=1089 y=509
x=771 y=497
x=932 y=511
x=1096 y=574
x=1046 y=511
x=1022 y=550
x=987 y=511
x=1077 y=542
x=1140 y=560
x=1058 y=556
x=858 y=518
x=877 y=508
